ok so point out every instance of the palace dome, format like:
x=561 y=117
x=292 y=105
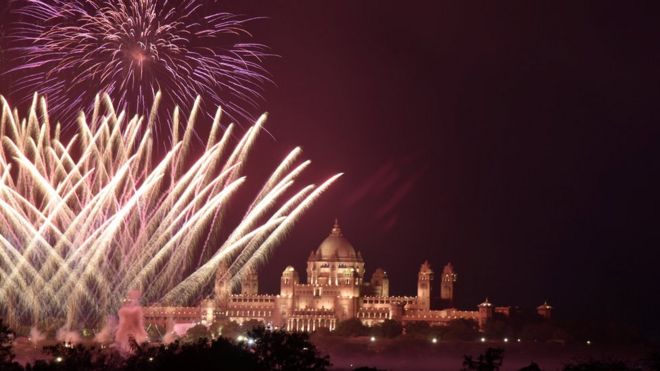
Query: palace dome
x=336 y=246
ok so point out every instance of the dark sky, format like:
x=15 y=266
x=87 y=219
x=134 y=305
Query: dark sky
x=518 y=142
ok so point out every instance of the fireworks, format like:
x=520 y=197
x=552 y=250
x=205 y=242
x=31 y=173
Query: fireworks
x=131 y=49
x=85 y=220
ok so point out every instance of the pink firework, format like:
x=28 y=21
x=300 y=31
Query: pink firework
x=131 y=49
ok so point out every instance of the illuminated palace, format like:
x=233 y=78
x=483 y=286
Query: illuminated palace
x=335 y=290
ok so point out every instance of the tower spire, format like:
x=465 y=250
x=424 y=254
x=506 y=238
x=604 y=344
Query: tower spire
x=336 y=229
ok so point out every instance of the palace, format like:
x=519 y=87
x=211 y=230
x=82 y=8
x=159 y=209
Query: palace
x=335 y=290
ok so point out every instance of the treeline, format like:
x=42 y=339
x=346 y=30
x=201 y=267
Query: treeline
x=500 y=328
x=265 y=350
x=493 y=360
x=252 y=347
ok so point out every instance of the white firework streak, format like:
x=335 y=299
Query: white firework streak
x=85 y=221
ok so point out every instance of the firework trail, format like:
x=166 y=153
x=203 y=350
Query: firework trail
x=84 y=221
x=131 y=49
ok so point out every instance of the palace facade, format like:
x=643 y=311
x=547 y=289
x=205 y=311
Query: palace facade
x=335 y=290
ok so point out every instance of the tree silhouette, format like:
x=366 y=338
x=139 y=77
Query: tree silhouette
x=531 y=367
x=388 y=329
x=280 y=350
x=490 y=361
x=6 y=352
x=351 y=327
x=598 y=365
x=198 y=332
x=419 y=328
x=460 y=329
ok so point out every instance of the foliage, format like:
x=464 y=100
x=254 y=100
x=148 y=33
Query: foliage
x=460 y=329
x=280 y=350
x=598 y=365
x=543 y=331
x=532 y=367
x=231 y=329
x=6 y=341
x=322 y=332
x=6 y=353
x=277 y=350
x=219 y=354
x=251 y=324
x=498 y=329
x=420 y=328
x=198 y=332
x=652 y=361
x=530 y=326
x=490 y=361
x=351 y=327
x=388 y=329
x=76 y=358
x=602 y=332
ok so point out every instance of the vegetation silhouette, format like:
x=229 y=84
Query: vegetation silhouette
x=260 y=351
x=257 y=348
x=491 y=360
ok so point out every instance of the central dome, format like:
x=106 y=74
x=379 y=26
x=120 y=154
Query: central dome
x=336 y=246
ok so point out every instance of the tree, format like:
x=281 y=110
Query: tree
x=351 y=327
x=652 y=361
x=6 y=352
x=252 y=324
x=531 y=367
x=388 y=329
x=6 y=343
x=595 y=365
x=490 y=361
x=498 y=328
x=230 y=329
x=322 y=332
x=460 y=329
x=270 y=350
x=78 y=358
x=280 y=350
x=418 y=328
x=198 y=332
x=539 y=331
x=202 y=355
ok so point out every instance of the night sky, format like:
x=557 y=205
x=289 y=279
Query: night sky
x=519 y=142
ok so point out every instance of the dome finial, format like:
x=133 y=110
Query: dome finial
x=336 y=229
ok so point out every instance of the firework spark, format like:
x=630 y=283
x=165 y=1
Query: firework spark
x=131 y=49
x=84 y=221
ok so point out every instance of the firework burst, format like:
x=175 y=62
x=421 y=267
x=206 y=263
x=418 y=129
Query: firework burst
x=131 y=49
x=85 y=220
